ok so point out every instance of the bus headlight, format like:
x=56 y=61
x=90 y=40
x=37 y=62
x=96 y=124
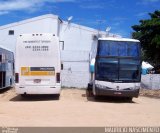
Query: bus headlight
x=137 y=87
x=132 y=88
x=100 y=86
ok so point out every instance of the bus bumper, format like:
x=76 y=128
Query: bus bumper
x=119 y=93
x=38 y=90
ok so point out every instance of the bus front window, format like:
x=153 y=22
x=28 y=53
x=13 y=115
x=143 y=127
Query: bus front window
x=129 y=70
x=107 y=69
x=118 y=61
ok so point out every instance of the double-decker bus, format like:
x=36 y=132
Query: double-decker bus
x=117 y=68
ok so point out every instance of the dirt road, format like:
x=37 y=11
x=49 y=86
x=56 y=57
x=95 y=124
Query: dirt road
x=75 y=109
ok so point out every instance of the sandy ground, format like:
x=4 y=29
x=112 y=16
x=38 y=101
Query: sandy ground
x=75 y=109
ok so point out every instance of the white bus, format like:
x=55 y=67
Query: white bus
x=116 y=68
x=37 y=64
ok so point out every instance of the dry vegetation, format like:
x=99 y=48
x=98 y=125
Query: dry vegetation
x=150 y=93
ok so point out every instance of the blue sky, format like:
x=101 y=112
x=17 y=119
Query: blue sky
x=120 y=15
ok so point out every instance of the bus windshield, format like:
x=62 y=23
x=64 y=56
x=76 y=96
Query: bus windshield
x=110 y=69
x=118 y=61
x=107 y=69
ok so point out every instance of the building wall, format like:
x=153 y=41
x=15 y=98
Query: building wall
x=75 y=71
x=75 y=55
x=77 y=39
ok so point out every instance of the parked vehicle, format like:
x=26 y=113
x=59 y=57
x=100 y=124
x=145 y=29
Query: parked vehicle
x=37 y=64
x=117 y=68
x=6 y=68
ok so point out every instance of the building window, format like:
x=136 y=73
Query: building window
x=11 y=32
x=61 y=66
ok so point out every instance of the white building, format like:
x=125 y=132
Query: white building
x=75 y=42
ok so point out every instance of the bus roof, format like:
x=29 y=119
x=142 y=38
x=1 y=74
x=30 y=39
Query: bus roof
x=118 y=39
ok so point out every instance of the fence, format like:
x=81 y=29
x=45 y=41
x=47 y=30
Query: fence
x=150 y=81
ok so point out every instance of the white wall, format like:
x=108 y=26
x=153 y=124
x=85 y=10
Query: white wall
x=75 y=68
x=76 y=37
x=150 y=81
x=78 y=41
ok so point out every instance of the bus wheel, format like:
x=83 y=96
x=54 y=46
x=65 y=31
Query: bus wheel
x=23 y=95
x=96 y=97
x=89 y=90
x=57 y=96
x=129 y=99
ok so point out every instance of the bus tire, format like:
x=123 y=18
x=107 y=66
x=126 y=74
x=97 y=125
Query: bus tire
x=89 y=90
x=23 y=95
x=57 y=96
x=96 y=97
x=129 y=99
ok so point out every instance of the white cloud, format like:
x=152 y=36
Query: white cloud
x=97 y=4
x=120 y=19
x=141 y=14
x=3 y=12
x=151 y=0
x=116 y=24
x=15 y=5
x=117 y=21
x=93 y=22
x=33 y=5
x=92 y=6
x=121 y=33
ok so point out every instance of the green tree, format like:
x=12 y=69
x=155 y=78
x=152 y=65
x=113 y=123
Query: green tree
x=148 y=32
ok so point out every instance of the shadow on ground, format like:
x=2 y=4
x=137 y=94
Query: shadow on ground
x=33 y=98
x=108 y=99
x=5 y=90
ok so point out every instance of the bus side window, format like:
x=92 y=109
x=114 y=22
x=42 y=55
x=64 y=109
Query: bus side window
x=0 y=58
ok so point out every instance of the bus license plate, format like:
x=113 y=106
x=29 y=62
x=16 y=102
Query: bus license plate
x=37 y=80
x=117 y=93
